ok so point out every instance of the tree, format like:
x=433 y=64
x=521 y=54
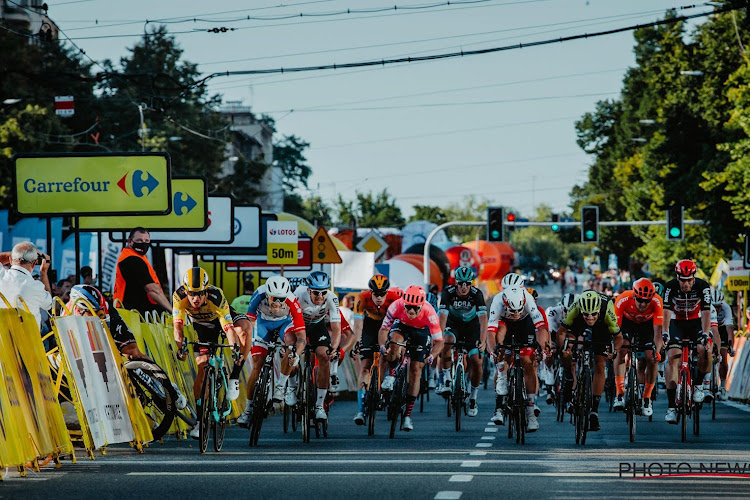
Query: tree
x=370 y=210
x=429 y=213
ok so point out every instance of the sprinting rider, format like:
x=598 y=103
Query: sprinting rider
x=688 y=299
x=318 y=302
x=640 y=314
x=555 y=317
x=274 y=310
x=514 y=312
x=210 y=312
x=595 y=312
x=463 y=318
x=369 y=310
x=413 y=320
x=726 y=332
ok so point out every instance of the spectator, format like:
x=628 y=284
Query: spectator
x=87 y=275
x=241 y=303
x=18 y=281
x=64 y=286
x=136 y=284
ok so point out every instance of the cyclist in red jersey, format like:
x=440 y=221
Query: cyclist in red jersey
x=413 y=320
x=640 y=314
x=687 y=315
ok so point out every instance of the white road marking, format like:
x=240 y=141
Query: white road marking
x=593 y=475
x=491 y=429
x=488 y=438
x=478 y=453
x=448 y=495
x=461 y=478
x=471 y=463
x=484 y=445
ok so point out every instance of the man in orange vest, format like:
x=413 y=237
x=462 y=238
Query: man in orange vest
x=136 y=284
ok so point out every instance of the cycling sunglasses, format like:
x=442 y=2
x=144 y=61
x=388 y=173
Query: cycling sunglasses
x=463 y=283
x=319 y=293
x=590 y=315
x=277 y=299
x=197 y=294
x=412 y=308
x=379 y=294
x=642 y=301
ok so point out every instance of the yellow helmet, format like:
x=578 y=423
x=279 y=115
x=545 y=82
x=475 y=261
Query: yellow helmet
x=195 y=280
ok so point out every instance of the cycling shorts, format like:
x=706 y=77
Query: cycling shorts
x=417 y=340
x=317 y=334
x=369 y=342
x=684 y=329
x=643 y=331
x=724 y=337
x=269 y=331
x=521 y=331
x=466 y=333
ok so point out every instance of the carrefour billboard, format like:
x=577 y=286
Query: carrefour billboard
x=92 y=184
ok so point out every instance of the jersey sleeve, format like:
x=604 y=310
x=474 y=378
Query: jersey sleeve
x=714 y=317
x=481 y=304
x=333 y=308
x=434 y=323
x=495 y=312
x=178 y=307
x=705 y=296
x=218 y=304
x=544 y=315
x=533 y=311
x=728 y=319
x=619 y=306
x=295 y=311
x=390 y=316
x=610 y=319
x=658 y=310
x=359 y=306
x=445 y=298
x=669 y=291
x=255 y=301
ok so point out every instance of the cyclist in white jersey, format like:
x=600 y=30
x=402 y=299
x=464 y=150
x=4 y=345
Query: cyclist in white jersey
x=725 y=323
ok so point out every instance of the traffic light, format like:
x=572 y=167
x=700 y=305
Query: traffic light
x=495 y=221
x=511 y=217
x=675 y=224
x=590 y=224
x=555 y=219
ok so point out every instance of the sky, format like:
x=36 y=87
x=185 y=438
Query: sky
x=497 y=126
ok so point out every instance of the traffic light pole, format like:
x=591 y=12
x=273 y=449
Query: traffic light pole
x=428 y=242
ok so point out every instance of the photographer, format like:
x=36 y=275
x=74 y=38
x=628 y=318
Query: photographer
x=19 y=282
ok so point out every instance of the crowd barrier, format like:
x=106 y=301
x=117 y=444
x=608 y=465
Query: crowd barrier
x=739 y=373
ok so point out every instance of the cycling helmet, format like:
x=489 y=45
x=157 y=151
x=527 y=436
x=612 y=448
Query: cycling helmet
x=195 y=279
x=567 y=301
x=295 y=282
x=379 y=283
x=399 y=293
x=415 y=296
x=91 y=295
x=716 y=296
x=464 y=274
x=514 y=298
x=512 y=279
x=533 y=293
x=685 y=269
x=644 y=289
x=318 y=280
x=590 y=302
x=277 y=286
x=659 y=289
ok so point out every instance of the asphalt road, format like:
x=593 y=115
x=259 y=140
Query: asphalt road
x=431 y=462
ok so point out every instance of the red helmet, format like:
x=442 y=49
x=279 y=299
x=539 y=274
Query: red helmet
x=644 y=289
x=685 y=269
x=415 y=296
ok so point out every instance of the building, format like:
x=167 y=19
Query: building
x=29 y=17
x=253 y=139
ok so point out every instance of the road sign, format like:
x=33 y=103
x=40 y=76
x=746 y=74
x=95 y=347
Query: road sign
x=372 y=242
x=189 y=212
x=324 y=251
x=282 y=244
x=738 y=277
x=258 y=262
x=64 y=105
x=85 y=184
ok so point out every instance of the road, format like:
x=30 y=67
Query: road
x=431 y=462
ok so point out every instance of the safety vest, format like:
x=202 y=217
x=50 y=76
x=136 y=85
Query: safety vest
x=119 y=290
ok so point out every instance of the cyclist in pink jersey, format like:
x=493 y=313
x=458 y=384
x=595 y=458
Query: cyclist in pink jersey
x=410 y=319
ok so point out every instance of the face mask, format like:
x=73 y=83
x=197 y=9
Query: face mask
x=141 y=248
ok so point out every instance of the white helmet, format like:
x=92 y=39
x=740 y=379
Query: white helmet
x=567 y=301
x=277 y=286
x=716 y=296
x=514 y=298
x=513 y=279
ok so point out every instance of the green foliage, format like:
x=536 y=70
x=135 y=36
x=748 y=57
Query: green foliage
x=370 y=210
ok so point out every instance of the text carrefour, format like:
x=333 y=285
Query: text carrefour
x=77 y=186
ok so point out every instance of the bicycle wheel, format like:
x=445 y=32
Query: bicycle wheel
x=559 y=406
x=207 y=396
x=587 y=402
x=156 y=394
x=696 y=420
x=423 y=380
x=458 y=395
x=287 y=416
x=396 y=403
x=714 y=389
x=630 y=405
x=260 y=399
x=683 y=409
x=372 y=397
x=520 y=406
x=610 y=388
x=509 y=407
x=306 y=401
x=222 y=405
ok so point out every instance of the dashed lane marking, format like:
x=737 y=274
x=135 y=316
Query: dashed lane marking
x=484 y=445
x=471 y=463
x=448 y=495
x=460 y=478
x=491 y=429
x=478 y=453
x=488 y=438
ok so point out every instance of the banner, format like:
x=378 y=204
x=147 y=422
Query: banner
x=100 y=385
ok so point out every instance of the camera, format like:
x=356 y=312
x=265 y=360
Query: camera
x=39 y=259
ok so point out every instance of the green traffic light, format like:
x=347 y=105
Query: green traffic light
x=589 y=234
x=495 y=234
x=555 y=227
x=674 y=232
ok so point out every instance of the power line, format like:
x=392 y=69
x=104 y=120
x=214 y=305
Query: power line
x=462 y=53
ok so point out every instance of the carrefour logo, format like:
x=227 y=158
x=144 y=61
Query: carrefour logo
x=138 y=183
x=183 y=203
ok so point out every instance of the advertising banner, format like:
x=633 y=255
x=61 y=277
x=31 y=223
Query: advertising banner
x=282 y=239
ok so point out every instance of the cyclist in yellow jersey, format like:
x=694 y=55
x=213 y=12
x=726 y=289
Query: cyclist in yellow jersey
x=211 y=314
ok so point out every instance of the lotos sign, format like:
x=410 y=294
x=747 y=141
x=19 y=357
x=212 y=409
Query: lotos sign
x=85 y=184
x=282 y=242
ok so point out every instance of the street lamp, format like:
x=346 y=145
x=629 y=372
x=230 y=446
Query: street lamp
x=8 y=102
x=691 y=73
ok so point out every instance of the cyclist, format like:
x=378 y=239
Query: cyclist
x=687 y=315
x=413 y=320
x=514 y=312
x=726 y=332
x=594 y=312
x=210 y=313
x=555 y=317
x=346 y=343
x=463 y=318
x=318 y=301
x=513 y=279
x=274 y=311
x=81 y=295
x=369 y=310
x=640 y=315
